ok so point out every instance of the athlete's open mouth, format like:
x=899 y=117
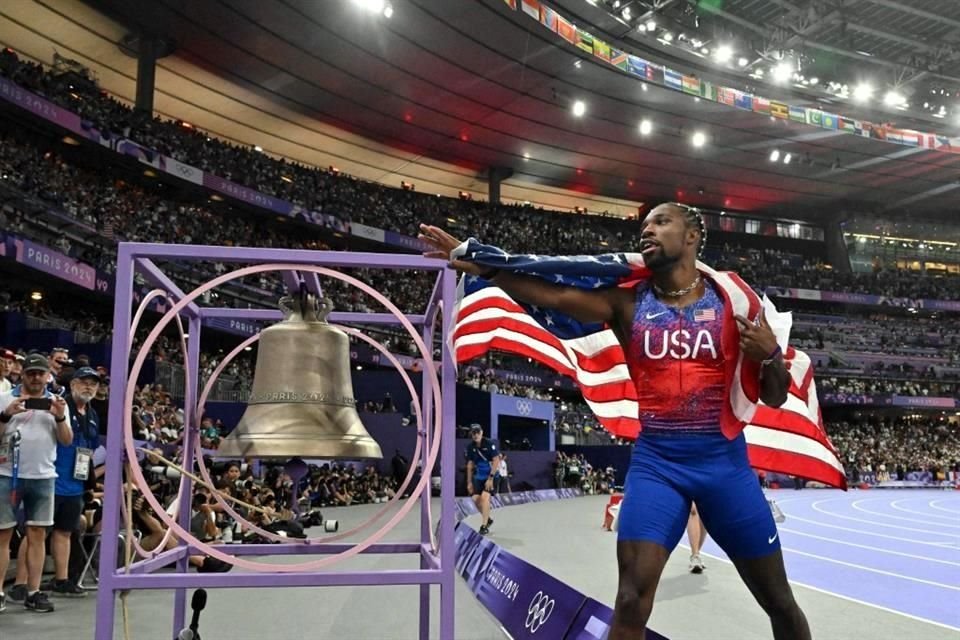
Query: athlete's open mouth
x=648 y=245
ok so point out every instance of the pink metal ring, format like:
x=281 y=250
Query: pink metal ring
x=429 y=370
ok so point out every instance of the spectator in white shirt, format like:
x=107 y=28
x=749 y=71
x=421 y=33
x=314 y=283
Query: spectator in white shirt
x=28 y=450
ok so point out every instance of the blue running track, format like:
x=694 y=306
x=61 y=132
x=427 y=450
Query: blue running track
x=897 y=550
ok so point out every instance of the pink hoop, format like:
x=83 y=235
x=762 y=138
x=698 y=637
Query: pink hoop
x=156 y=293
x=430 y=371
x=326 y=539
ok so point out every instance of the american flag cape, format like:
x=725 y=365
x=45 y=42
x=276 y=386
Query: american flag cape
x=790 y=439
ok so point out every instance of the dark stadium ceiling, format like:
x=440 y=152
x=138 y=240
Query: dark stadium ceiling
x=903 y=55
x=475 y=83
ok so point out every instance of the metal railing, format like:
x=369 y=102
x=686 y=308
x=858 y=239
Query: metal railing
x=173 y=377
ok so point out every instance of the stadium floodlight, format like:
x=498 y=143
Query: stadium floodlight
x=893 y=98
x=374 y=6
x=723 y=53
x=862 y=92
x=783 y=71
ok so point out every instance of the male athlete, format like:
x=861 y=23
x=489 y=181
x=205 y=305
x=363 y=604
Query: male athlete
x=684 y=354
x=483 y=463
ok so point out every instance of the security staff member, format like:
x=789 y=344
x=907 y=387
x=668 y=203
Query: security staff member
x=483 y=463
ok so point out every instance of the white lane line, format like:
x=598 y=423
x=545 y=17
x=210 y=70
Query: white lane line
x=726 y=560
x=872 y=570
x=927 y=514
x=864 y=546
x=816 y=507
x=856 y=505
x=933 y=505
x=867 y=533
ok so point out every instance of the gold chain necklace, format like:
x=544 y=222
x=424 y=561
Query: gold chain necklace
x=678 y=292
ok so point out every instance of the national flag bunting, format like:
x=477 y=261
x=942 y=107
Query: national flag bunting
x=566 y=30
x=779 y=110
x=601 y=49
x=761 y=105
x=672 y=79
x=619 y=59
x=691 y=85
x=727 y=96
x=584 y=40
x=531 y=8
x=548 y=17
x=708 y=90
x=789 y=439
x=655 y=73
x=637 y=66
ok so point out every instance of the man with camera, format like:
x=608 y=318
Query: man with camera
x=32 y=422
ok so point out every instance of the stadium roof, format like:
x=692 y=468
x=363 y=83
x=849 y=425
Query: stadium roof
x=480 y=84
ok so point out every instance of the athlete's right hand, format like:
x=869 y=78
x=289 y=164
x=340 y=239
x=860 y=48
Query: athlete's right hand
x=441 y=244
x=470 y=488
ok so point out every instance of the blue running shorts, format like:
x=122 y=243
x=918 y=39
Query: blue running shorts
x=667 y=472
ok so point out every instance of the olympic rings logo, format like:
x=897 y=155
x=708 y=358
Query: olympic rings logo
x=524 y=407
x=538 y=611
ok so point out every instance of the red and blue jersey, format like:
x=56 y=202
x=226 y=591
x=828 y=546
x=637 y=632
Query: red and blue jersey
x=676 y=362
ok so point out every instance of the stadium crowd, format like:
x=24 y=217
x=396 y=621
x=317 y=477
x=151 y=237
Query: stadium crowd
x=134 y=213
x=894 y=446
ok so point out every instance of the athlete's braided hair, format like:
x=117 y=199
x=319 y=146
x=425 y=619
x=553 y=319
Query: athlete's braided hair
x=694 y=218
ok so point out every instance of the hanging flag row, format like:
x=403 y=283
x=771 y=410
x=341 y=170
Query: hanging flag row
x=692 y=85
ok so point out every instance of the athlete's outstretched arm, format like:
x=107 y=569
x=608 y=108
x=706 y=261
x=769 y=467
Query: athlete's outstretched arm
x=582 y=304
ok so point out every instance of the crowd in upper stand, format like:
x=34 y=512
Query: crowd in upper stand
x=135 y=213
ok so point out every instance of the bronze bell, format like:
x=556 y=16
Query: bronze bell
x=302 y=400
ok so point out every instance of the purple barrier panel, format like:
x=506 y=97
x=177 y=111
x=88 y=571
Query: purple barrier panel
x=232 y=325
x=593 y=623
x=523 y=598
x=246 y=194
x=474 y=553
x=40 y=107
x=924 y=401
x=400 y=240
x=366 y=231
x=55 y=263
x=466 y=507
